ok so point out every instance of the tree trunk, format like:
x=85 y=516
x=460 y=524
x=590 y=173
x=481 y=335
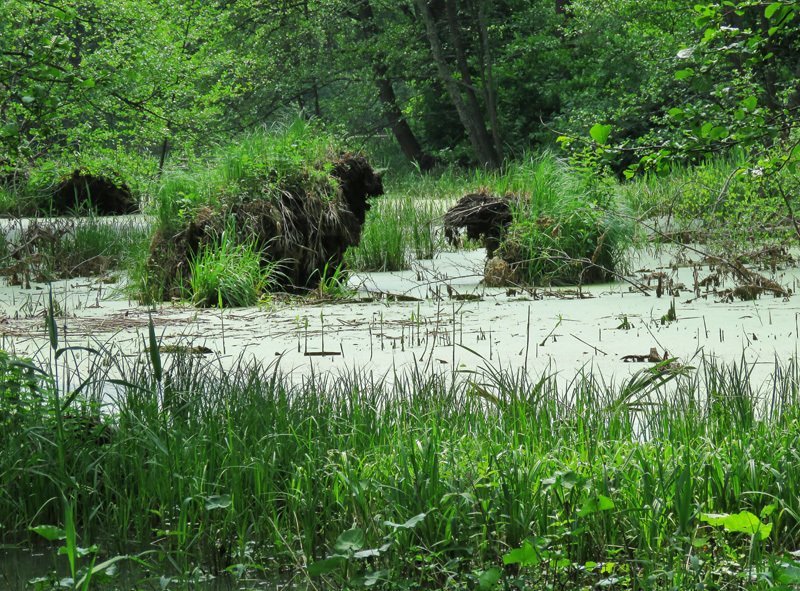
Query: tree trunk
x=473 y=106
x=391 y=110
x=471 y=121
x=488 y=86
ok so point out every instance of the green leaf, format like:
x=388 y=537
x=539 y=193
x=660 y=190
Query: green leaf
x=323 y=567
x=411 y=523
x=600 y=133
x=718 y=132
x=768 y=510
x=155 y=355
x=675 y=112
x=88 y=83
x=375 y=577
x=750 y=103
x=218 y=502
x=51 y=533
x=770 y=10
x=350 y=541
x=9 y=130
x=595 y=505
x=527 y=555
x=28 y=99
x=683 y=74
x=489 y=578
x=742 y=522
x=788 y=574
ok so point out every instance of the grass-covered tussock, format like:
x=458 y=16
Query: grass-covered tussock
x=563 y=228
x=291 y=195
x=109 y=182
x=429 y=482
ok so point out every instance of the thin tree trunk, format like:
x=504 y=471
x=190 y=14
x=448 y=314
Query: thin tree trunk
x=451 y=84
x=391 y=110
x=488 y=86
x=472 y=104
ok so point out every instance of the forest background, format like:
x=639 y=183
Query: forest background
x=466 y=82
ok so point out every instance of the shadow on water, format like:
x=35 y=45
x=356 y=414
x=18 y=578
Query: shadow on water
x=44 y=569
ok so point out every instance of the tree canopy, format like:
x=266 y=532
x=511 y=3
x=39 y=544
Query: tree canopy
x=464 y=81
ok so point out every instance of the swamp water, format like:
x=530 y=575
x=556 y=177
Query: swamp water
x=436 y=317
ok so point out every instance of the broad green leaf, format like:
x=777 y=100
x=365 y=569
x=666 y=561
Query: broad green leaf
x=676 y=112
x=323 y=567
x=373 y=578
x=527 y=555
x=411 y=523
x=742 y=522
x=88 y=83
x=595 y=505
x=218 y=502
x=51 y=533
x=770 y=10
x=9 y=130
x=788 y=574
x=683 y=74
x=350 y=541
x=600 y=133
x=28 y=99
x=718 y=132
x=489 y=578
x=750 y=103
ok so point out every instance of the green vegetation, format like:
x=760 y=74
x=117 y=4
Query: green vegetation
x=228 y=274
x=275 y=209
x=47 y=250
x=432 y=482
x=397 y=230
x=241 y=130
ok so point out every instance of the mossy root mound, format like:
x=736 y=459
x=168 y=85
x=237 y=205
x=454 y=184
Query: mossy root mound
x=303 y=233
x=82 y=192
x=483 y=217
x=530 y=241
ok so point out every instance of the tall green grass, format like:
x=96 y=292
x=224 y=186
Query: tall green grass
x=396 y=231
x=428 y=482
x=261 y=165
x=56 y=249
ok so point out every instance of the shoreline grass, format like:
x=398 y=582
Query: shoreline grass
x=436 y=483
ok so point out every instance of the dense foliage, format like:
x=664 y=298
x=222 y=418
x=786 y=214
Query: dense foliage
x=466 y=81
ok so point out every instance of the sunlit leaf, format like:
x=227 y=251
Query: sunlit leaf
x=600 y=133
x=350 y=541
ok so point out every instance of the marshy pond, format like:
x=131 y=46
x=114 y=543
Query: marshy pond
x=439 y=316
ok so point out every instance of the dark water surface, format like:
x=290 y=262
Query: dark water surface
x=42 y=569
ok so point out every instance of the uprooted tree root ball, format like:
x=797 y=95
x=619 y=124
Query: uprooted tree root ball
x=303 y=234
x=84 y=192
x=483 y=217
x=528 y=242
